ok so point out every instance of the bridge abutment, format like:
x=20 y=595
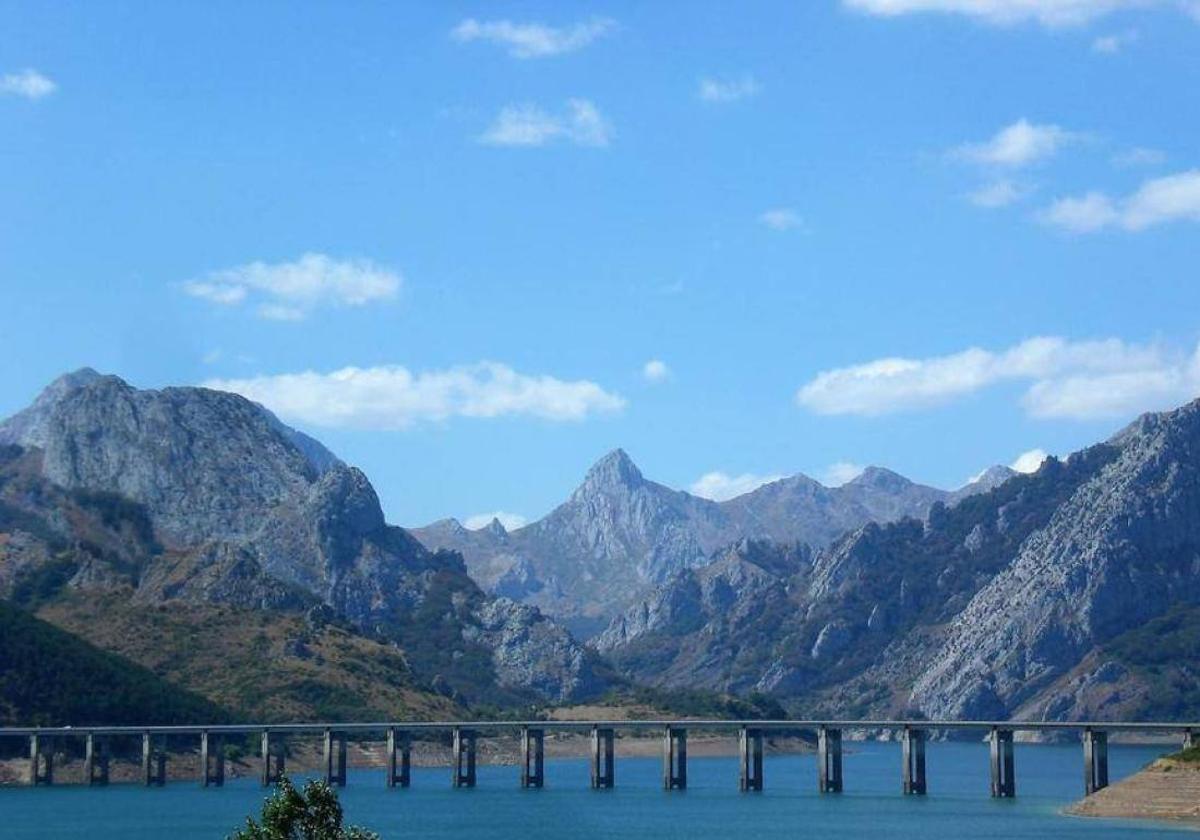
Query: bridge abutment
x=750 y=759
x=464 y=758
x=675 y=758
x=1095 y=760
x=829 y=760
x=1004 y=783
x=399 y=763
x=912 y=748
x=602 y=758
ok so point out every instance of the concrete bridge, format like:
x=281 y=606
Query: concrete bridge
x=912 y=735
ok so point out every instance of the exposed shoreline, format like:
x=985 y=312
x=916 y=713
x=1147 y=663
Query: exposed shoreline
x=1167 y=790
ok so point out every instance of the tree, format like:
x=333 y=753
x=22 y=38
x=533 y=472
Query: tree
x=289 y=814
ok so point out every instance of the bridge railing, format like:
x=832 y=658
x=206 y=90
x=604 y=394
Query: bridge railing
x=912 y=735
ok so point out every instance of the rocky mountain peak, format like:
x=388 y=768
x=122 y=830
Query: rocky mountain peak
x=496 y=528
x=28 y=427
x=615 y=470
x=880 y=478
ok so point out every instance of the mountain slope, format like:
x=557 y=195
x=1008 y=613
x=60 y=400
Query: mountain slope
x=620 y=534
x=232 y=511
x=1005 y=604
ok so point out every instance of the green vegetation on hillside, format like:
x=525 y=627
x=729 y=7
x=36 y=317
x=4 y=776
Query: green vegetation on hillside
x=1163 y=653
x=49 y=677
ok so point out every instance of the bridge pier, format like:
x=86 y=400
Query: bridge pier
x=464 y=758
x=154 y=763
x=1004 y=784
x=1095 y=760
x=1191 y=739
x=272 y=760
x=750 y=759
x=212 y=760
x=602 y=758
x=41 y=762
x=399 y=750
x=95 y=761
x=912 y=748
x=533 y=763
x=674 y=758
x=335 y=758
x=829 y=760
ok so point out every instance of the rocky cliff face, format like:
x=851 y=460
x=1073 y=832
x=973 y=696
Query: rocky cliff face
x=245 y=511
x=1006 y=604
x=620 y=534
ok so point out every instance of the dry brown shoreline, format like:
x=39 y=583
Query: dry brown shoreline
x=1167 y=790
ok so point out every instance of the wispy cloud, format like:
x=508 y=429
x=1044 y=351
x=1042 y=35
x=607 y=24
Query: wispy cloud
x=727 y=90
x=510 y=521
x=290 y=291
x=1172 y=198
x=656 y=370
x=526 y=124
x=1114 y=42
x=1006 y=12
x=1066 y=379
x=1017 y=145
x=1140 y=156
x=841 y=472
x=999 y=193
x=533 y=40
x=721 y=487
x=1029 y=462
x=27 y=83
x=393 y=398
x=782 y=218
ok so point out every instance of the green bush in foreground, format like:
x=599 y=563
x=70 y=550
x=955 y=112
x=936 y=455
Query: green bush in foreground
x=289 y=814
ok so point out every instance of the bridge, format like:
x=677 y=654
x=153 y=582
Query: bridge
x=464 y=736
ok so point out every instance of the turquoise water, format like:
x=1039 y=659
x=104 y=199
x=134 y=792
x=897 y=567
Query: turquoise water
x=958 y=805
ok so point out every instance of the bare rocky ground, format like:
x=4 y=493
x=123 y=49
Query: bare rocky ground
x=1168 y=789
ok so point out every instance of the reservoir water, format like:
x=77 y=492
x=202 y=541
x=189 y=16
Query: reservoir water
x=958 y=805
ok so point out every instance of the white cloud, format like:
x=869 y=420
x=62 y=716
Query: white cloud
x=1029 y=462
x=839 y=473
x=1083 y=214
x=655 y=370
x=727 y=90
x=533 y=40
x=782 y=218
x=998 y=194
x=510 y=521
x=1066 y=379
x=1115 y=42
x=1017 y=145
x=721 y=487
x=291 y=291
x=529 y=125
x=1171 y=198
x=1140 y=156
x=1006 y=12
x=27 y=83
x=392 y=398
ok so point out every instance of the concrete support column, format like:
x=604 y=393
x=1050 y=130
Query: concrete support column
x=399 y=750
x=533 y=762
x=1004 y=783
x=602 y=758
x=41 y=760
x=912 y=747
x=750 y=759
x=212 y=761
x=1095 y=760
x=829 y=760
x=95 y=761
x=335 y=758
x=272 y=760
x=154 y=763
x=464 y=758
x=675 y=758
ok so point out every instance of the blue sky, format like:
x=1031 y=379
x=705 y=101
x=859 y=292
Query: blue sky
x=449 y=238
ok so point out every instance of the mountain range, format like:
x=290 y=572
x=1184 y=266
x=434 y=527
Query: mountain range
x=619 y=534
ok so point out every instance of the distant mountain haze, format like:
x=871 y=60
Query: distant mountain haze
x=619 y=533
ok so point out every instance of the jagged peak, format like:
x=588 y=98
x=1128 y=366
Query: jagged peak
x=496 y=528
x=614 y=469
x=993 y=476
